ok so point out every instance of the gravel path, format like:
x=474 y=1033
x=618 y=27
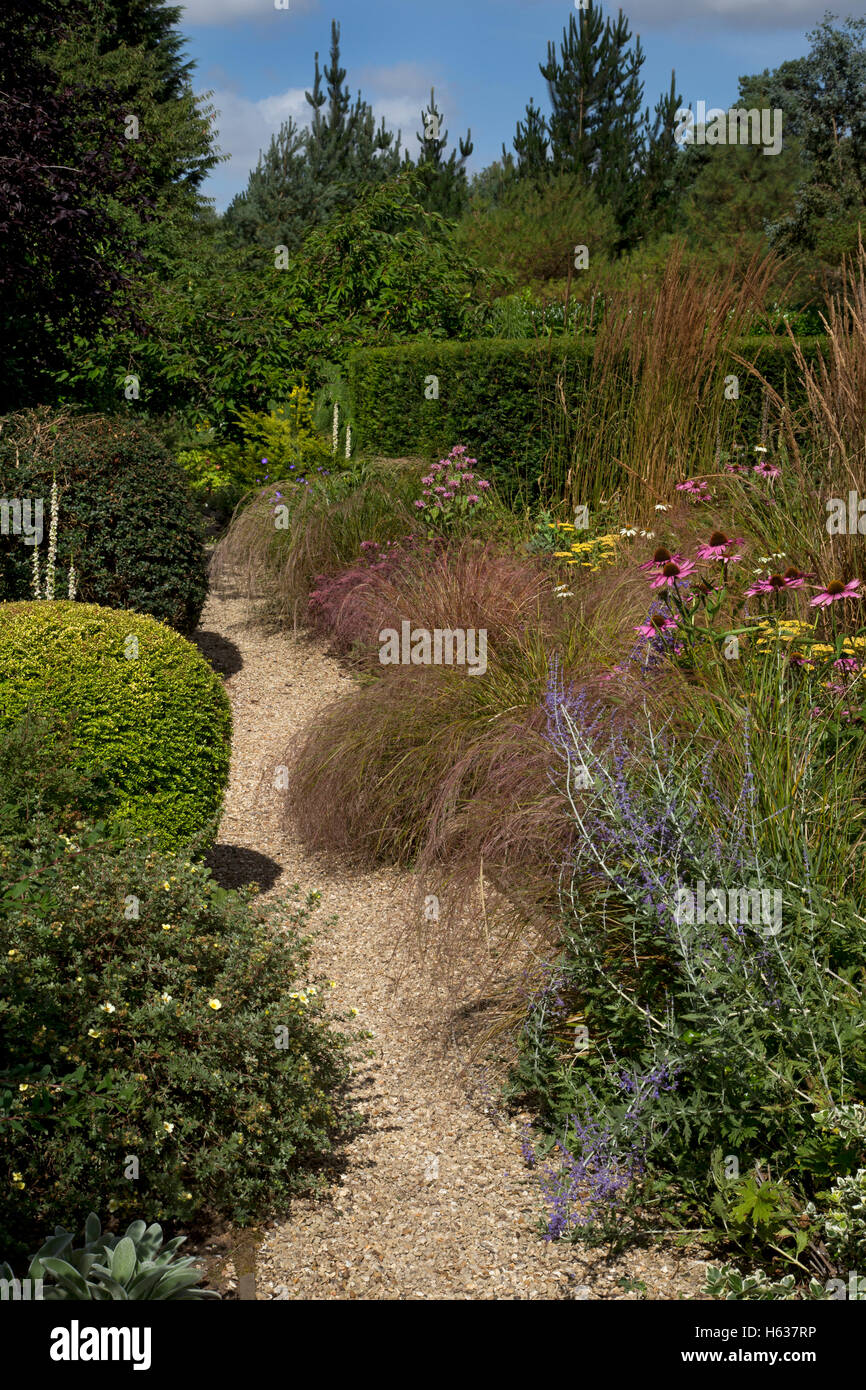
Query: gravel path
x=435 y=1202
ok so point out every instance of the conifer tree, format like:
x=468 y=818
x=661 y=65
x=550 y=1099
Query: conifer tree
x=443 y=183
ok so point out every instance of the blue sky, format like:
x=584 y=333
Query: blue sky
x=481 y=56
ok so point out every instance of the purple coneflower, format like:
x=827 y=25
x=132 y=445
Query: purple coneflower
x=767 y=469
x=695 y=485
x=661 y=557
x=717 y=547
x=835 y=591
x=671 y=574
x=655 y=625
x=773 y=585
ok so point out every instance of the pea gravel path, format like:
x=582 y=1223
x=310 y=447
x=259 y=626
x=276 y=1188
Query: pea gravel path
x=435 y=1202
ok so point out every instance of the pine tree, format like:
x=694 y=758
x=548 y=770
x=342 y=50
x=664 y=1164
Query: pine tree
x=596 y=129
x=306 y=177
x=532 y=144
x=443 y=183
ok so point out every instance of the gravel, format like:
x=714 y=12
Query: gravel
x=435 y=1201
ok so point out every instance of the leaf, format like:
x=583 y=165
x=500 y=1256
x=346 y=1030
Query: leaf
x=123 y=1260
x=92 y=1228
x=68 y=1278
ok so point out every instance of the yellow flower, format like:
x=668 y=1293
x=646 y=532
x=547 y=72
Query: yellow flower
x=166 y=926
x=354 y=1013
x=214 y=1004
x=18 y=1181
x=23 y=1086
x=167 y=887
x=92 y=1033
x=108 y=1008
x=169 y=1128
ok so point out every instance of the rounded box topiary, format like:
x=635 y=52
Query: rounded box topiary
x=127 y=520
x=146 y=710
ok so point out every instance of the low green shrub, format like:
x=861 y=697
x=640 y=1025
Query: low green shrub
x=131 y=1267
x=148 y=710
x=127 y=521
x=164 y=1050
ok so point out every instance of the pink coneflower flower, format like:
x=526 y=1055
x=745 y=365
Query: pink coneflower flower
x=773 y=585
x=835 y=591
x=767 y=469
x=671 y=574
x=695 y=485
x=661 y=557
x=846 y=663
x=655 y=625
x=717 y=547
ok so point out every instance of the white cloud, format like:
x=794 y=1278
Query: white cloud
x=244 y=128
x=225 y=11
x=732 y=16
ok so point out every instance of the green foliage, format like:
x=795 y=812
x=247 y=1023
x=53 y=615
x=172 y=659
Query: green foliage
x=706 y=1037
x=127 y=520
x=231 y=329
x=492 y=394
x=189 y=1036
x=147 y=709
x=730 y=1284
x=306 y=177
x=131 y=1267
x=528 y=236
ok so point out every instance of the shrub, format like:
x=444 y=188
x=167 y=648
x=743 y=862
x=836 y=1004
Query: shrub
x=148 y=711
x=128 y=1267
x=127 y=520
x=701 y=1037
x=497 y=397
x=148 y=1015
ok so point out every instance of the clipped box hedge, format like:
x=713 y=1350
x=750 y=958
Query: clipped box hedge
x=490 y=395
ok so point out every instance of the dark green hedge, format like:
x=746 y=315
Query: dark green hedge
x=491 y=394
x=127 y=519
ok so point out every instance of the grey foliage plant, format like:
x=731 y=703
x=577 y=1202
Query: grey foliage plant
x=133 y=1266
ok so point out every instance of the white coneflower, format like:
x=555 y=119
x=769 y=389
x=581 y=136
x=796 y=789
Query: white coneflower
x=348 y=441
x=73 y=581
x=335 y=435
x=34 y=580
x=52 y=544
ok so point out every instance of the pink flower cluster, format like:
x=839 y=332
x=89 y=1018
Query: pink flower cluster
x=446 y=479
